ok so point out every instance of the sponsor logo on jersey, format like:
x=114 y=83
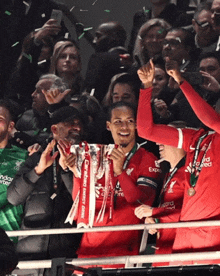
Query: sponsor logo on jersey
x=5 y=179
x=168 y=205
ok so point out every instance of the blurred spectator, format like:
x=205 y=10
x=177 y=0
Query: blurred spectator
x=45 y=190
x=34 y=124
x=179 y=45
x=123 y=87
x=159 y=9
x=66 y=63
x=8 y=256
x=149 y=41
x=215 y=9
x=110 y=58
x=17 y=19
x=207 y=87
x=33 y=61
x=11 y=159
x=206 y=37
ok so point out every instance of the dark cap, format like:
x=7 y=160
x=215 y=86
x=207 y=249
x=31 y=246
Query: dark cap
x=65 y=114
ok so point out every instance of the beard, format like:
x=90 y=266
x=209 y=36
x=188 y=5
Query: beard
x=74 y=138
x=3 y=135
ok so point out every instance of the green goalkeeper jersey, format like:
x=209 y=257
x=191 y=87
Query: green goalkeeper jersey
x=11 y=160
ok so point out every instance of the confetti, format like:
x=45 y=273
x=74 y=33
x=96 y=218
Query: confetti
x=26 y=3
x=43 y=15
x=81 y=36
x=83 y=10
x=160 y=31
x=72 y=8
x=92 y=92
x=145 y=10
x=8 y=12
x=87 y=29
x=16 y=43
x=27 y=56
x=66 y=35
x=94 y=2
x=42 y=61
x=80 y=24
x=36 y=30
x=107 y=10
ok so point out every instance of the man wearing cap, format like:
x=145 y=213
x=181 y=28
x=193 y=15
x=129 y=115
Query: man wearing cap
x=45 y=189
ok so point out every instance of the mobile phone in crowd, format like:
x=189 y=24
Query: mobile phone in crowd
x=57 y=15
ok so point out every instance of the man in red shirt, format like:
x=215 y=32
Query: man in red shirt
x=202 y=193
x=134 y=183
x=170 y=199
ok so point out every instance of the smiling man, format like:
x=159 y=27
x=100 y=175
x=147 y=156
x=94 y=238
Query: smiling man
x=45 y=190
x=134 y=182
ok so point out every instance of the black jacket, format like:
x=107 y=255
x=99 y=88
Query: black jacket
x=40 y=211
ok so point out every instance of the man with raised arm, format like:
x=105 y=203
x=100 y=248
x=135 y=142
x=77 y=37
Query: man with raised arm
x=202 y=193
x=134 y=182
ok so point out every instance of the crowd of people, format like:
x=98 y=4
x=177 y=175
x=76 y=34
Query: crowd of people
x=156 y=103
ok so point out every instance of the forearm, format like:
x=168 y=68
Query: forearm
x=21 y=186
x=134 y=193
x=163 y=211
x=202 y=109
x=145 y=126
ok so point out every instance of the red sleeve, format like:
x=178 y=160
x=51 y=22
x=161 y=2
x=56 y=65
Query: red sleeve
x=147 y=129
x=163 y=211
x=202 y=109
x=133 y=192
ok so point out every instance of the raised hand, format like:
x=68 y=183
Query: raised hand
x=161 y=108
x=172 y=69
x=67 y=160
x=210 y=83
x=46 y=159
x=118 y=158
x=146 y=74
x=54 y=96
x=50 y=28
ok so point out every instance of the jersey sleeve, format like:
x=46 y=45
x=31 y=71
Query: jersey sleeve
x=202 y=109
x=147 y=129
x=142 y=188
x=163 y=211
x=158 y=133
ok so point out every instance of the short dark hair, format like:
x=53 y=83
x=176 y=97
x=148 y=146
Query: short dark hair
x=215 y=55
x=188 y=40
x=7 y=104
x=201 y=7
x=118 y=105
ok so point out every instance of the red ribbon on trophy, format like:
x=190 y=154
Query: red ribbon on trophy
x=93 y=163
